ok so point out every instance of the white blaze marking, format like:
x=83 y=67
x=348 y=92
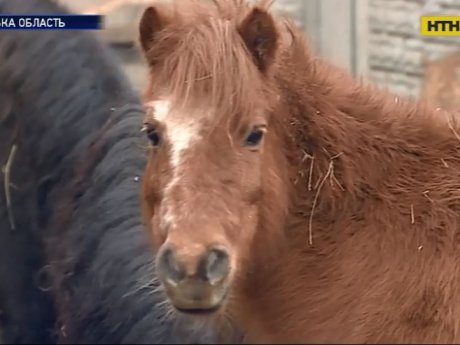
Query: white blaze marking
x=181 y=130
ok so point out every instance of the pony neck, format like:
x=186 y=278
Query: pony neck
x=347 y=138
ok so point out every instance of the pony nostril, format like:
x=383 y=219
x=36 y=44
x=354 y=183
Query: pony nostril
x=215 y=266
x=169 y=268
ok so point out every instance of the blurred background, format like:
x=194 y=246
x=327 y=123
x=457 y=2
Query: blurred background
x=376 y=39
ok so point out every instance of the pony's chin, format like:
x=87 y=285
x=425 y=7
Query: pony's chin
x=207 y=304
x=199 y=311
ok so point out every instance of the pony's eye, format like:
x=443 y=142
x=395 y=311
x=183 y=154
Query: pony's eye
x=152 y=134
x=254 y=137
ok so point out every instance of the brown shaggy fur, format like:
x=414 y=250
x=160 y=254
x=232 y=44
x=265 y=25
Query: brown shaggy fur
x=358 y=217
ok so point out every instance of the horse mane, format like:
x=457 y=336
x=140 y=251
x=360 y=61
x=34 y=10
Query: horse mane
x=202 y=61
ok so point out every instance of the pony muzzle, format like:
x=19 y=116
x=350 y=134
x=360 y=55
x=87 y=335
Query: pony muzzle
x=194 y=284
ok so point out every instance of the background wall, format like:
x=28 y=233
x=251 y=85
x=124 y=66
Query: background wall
x=377 y=39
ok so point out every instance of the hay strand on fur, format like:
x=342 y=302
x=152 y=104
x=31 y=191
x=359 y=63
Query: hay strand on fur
x=453 y=129
x=329 y=173
x=425 y=194
x=310 y=174
x=7 y=184
x=412 y=216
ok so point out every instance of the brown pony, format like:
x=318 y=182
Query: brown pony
x=289 y=198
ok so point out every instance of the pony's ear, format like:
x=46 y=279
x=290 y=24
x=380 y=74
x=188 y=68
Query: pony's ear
x=150 y=24
x=259 y=33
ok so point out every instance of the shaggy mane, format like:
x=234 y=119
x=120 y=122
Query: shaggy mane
x=203 y=62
